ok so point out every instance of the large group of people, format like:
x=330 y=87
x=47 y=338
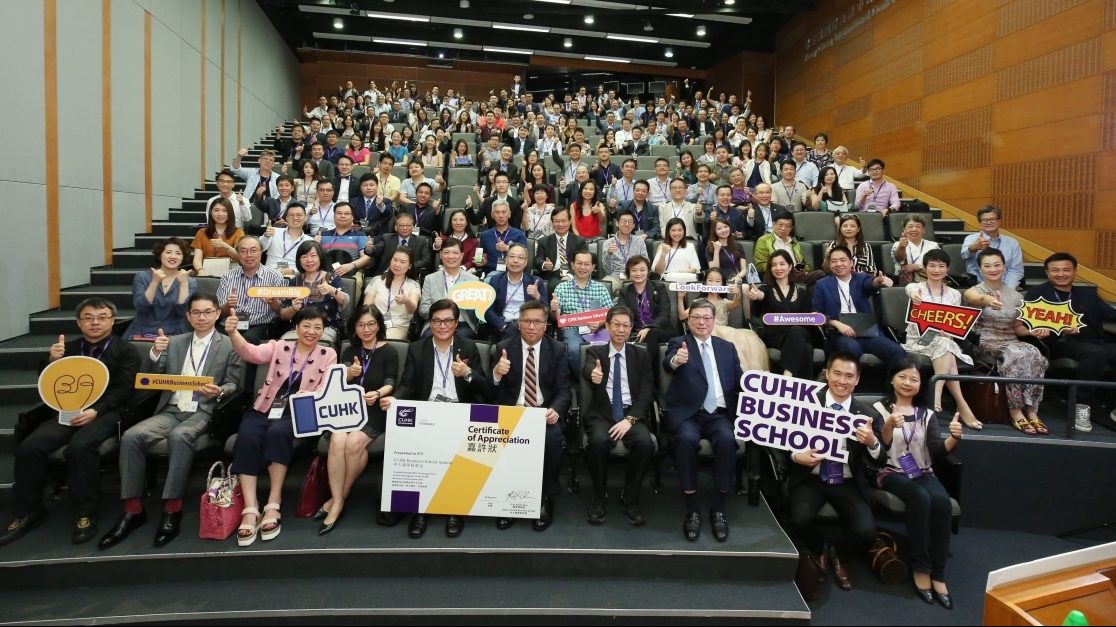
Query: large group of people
x=555 y=233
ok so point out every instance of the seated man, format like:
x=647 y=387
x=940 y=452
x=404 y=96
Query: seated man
x=701 y=403
x=82 y=436
x=426 y=212
x=345 y=186
x=576 y=296
x=281 y=244
x=1090 y=345
x=844 y=293
x=781 y=237
x=554 y=253
x=502 y=184
x=409 y=187
x=814 y=481
x=257 y=314
x=496 y=240
x=180 y=417
x=513 y=288
x=267 y=210
x=438 y=284
x=990 y=237
x=388 y=183
x=386 y=245
x=645 y=213
x=426 y=377
x=532 y=372
x=371 y=208
x=725 y=212
x=346 y=242
x=876 y=194
x=319 y=214
x=618 y=410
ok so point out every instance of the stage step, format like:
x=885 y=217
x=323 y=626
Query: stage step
x=57 y=321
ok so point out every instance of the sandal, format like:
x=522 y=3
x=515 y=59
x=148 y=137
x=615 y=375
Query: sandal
x=1039 y=426
x=243 y=539
x=269 y=533
x=1024 y=425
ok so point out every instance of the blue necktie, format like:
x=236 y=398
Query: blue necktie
x=617 y=393
x=829 y=467
x=710 y=404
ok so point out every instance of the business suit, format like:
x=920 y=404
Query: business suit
x=554 y=393
x=1092 y=348
x=354 y=188
x=827 y=300
x=420 y=248
x=428 y=220
x=434 y=290
x=285 y=149
x=808 y=494
x=418 y=373
x=599 y=419
x=83 y=462
x=761 y=223
x=521 y=146
x=547 y=248
x=647 y=218
x=494 y=315
x=180 y=428
x=689 y=421
x=374 y=217
x=636 y=148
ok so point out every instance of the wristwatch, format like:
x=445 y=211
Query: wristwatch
x=468 y=377
x=631 y=420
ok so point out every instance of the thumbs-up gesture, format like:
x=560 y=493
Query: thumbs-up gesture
x=232 y=300
x=269 y=232
x=548 y=265
x=230 y=324
x=955 y=428
x=751 y=212
x=754 y=293
x=533 y=290
x=161 y=342
x=58 y=349
x=683 y=355
x=597 y=376
x=260 y=191
x=242 y=152
x=503 y=366
x=554 y=305
x=903 y=241
x=354 y=369
x=894 y=419
x=883 y=279
x=159 y=274
x=613 y=246
x=459 y=367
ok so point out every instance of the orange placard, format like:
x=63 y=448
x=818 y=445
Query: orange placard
x=279 y=292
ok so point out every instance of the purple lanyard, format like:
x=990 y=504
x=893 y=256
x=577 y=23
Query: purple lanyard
x=791 y=192
x=670 y=256
x=644 y=307
x=444 y=369
x=1058 y=296
x=198 y=366
x=88 y=352
x=930 y=294
x=582 y=299
x=418 y=214
x=732 y=257
x=366 y=359
x=918 y=253
x=518 y=288
x=536 y=221
x=292 y=376
x=287 y=251
x=914 y=430
x=501 y=240
x=876 y=193
x=625 y=250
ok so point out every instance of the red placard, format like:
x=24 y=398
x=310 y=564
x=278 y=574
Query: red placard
x=952 y=320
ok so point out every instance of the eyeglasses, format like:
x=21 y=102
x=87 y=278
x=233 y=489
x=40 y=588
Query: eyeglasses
x=442 y=322
x=621 y=325
x=532 y=323
x=371 y=324
x=701 y=318
x=875 y=169
x=989 y=220
x=102 y=318
x=202 y=312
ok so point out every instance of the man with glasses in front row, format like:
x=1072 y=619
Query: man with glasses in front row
x=180 y=417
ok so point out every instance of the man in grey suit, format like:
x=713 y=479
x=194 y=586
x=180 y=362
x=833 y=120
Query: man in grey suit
x=180 y=417
x=438 y=284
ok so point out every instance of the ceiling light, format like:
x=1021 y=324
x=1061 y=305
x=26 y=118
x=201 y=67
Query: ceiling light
x=567 y=43
x=647 y=27
x=458 y=33
x=508 y=50
x=637 y=39
x=729 y=3
x=701 y=31
x=669 y=53
x=528 y=16
x=555 y=1
x=529 y=29
x=338 y=24
x=588 y=19
x=590 y=57
x=464 y=4
x=397 y=16
x=399 y=42
x=441 y=55
x=685 y=15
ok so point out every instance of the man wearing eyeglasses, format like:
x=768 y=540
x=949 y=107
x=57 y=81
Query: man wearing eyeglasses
x=82 y=435
x=180 y=417
x=876 y=194
x=990 y=237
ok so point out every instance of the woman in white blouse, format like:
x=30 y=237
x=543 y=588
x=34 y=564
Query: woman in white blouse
x=677 y=260
x=395 y=295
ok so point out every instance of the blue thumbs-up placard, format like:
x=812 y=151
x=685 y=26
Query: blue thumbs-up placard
x=338 y=406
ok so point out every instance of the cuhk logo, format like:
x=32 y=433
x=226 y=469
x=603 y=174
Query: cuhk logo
x=405 y=417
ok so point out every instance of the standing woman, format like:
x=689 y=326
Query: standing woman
x=373 y=365
x=160 y=294
x=589 y=214
x=778 y=294
x=850 y=235
x=327 y=293
x=218 y=238
x=266 y=443
x=913 y=439
x=395 y=294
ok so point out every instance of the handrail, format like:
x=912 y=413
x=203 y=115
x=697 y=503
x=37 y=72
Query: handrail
x=1071 y=395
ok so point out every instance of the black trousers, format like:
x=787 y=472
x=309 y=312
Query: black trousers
x=552 y=459
x=83 y=463
x=1093 y=358
x=640 y=449
x=857 y=528
x=717 y=428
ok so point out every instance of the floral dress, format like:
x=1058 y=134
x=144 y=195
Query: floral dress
x=1015 y=358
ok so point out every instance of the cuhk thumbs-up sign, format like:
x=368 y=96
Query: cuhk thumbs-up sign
x=338 y=406
x=161 y=342
x=597 y=376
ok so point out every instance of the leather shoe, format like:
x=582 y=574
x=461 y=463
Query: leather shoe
x=454 y=526
x=945 y=599
x=632 y=514
x=320 y=514
x=840 y=573
x=691 y=526
x=417 y=526
x=123 y=527
x=926 y=594
x=720 y=525
x=596 y=513
x=168 y=528
x=19 y=526
x=504 y=523
x=387 y=519
x=85 y=527
x=325 y=527
x=823 y=566
x=546 y=515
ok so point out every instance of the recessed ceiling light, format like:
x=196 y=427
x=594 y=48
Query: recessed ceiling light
x=441 y=55
x=567 y=43
x=458 y=33
x=729 y=3
x=338 y=24
x=669 y=53
x=589 y=19
x=701 y=31
x=647 y=27
x=528 y=16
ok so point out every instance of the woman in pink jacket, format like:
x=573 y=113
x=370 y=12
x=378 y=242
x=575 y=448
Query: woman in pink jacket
x=266 y=438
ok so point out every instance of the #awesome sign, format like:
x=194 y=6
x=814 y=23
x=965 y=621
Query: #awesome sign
x=784 y=413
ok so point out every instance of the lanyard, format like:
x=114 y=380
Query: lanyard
x=450 y=281
x=366 y=359
x=444 y=369
x=511 y=292
x=907 y=438
x=190 y=353
x=538 y=219
x=88 y=352
x=670 y=256
x=790 y=192
x=918 y=253
x=626 y=191
x=847 y=299
x=582 y=298
x=1058 y=296
x=731 y=256
x=292 y=376
x=664 y=188
x=676 y=210
x=625 y=250
x=876 y=193
x=287 y=251
x=501 y=240
x=930 y=294
x=246 y=283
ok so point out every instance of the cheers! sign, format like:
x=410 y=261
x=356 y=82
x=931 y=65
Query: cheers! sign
x=952 y=320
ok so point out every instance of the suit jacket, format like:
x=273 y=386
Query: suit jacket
x=660 y=300
x=648 y=219
x=686 y=393
x=429 y=223
x=221 y=363
x=631 y=147
x=547 y=248
x=494 y=315
x=639 y=383
x=1085 y=300
x=553 y=372
x=264 y=211
x=859 y=457
x=418 y=373
x=354 y=187
x=285 y=150
x=277 y=354
x=122 y=361
x=528 y=145
x=375 y=219
x=420 y=247
x=827 y=300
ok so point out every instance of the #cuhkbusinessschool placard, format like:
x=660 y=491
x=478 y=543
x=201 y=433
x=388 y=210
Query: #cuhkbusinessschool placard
x=456 y=458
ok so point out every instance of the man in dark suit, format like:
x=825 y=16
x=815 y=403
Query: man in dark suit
x=501 y=184
x=326 y=169
x=522 y=143
x=346 y=187
x=85 y=432
x=618 y=411
x=701 y=403
x=370 y=207
x=636 y=146
x=444 y=369
x=179 y=418
x=814 y=481
x=532 y=372
x=294 y=148
x=513 y=288
x=386 y=246
x=554 y=253
x=845 y=292
x=763 y=218
x=646 y=214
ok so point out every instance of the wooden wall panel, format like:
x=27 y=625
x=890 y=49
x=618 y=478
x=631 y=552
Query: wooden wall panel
x=743 y=71
x=1008 y=102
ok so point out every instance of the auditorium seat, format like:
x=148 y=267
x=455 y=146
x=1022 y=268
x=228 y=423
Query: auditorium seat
x=893 y=312
x=462 y=176
x=646 y=162
x=375 y=447
x=664 y=150
x=361 y=170
x=814 y=226
x=458 y=194
x=585 y=391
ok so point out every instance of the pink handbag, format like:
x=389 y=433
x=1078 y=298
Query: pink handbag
x=221 y=504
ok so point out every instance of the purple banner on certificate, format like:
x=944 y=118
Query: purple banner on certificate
x=794 y=319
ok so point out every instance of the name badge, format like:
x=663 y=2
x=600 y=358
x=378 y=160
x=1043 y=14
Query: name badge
x=278 y=408
x=832 y=473
x=909 y=465
x=928 y=337
x=281 y=264
x=193 y=404
x=501 y=267
x=584 y=330
x=242 y=325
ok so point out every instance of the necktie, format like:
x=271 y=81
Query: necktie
x=710 y=404
x=561 y=251
x=530 y=399
x=617 y=393
x=830 y=468
x=402 y=242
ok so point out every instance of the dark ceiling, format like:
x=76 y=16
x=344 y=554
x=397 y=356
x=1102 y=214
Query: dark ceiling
x=311 y=24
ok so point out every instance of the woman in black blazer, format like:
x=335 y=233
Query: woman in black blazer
x=651 y=304
x=374 y=365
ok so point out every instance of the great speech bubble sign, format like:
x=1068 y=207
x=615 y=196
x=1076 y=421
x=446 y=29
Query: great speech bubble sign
x=475 y=295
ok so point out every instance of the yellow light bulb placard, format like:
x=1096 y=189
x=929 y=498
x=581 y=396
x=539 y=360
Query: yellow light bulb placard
x=71 y=384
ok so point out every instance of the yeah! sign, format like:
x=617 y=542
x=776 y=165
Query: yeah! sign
x=1043 y=314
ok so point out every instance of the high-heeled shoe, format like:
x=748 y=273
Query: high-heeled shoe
x=926 y=594
x=321 y=513
x=328 y=527
x=944 y=598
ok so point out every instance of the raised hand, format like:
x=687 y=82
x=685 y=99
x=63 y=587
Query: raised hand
x=161 y=342
x=884 y=279
x=242 y=152
x=548 y=265
x=58 y=349
x=597 y=376
x=354 y=369
x=459 y=367
x=955 y=427
x=503 y=366
x=232 y=300
x=230 y=324
x=683 y=355
x=159 y=274
x=533 y=290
